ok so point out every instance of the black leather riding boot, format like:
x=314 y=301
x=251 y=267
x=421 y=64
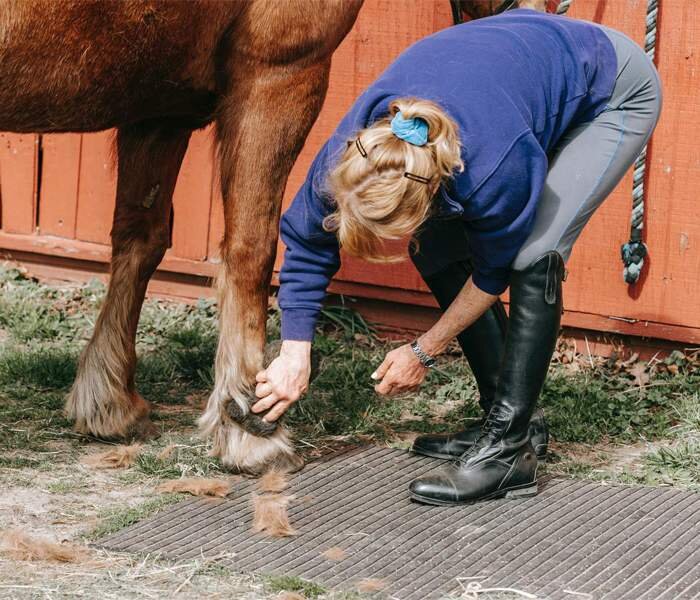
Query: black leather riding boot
x=502 y=462
x=482 y=344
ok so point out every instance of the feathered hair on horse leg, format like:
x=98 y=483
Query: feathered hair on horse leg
x=238 y=449
x=103 y=400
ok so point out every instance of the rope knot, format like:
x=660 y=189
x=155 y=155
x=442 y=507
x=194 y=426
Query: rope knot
x=633 y=253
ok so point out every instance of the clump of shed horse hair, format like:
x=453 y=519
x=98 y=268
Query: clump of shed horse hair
x=18 y=545
x=119 y=457
x=270 y=506
x=197 y=486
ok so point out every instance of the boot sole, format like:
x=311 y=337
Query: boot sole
x=540 y=456
x=522 y=491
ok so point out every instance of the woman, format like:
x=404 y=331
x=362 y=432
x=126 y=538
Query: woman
x=492 y=143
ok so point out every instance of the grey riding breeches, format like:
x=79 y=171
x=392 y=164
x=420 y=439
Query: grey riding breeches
x=587 y=163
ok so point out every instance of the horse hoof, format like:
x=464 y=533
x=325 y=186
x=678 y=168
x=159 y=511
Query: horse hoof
x=251 y=422
x=142 y=430
x=286 y=463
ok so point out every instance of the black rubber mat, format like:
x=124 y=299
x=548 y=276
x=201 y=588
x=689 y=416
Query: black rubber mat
x=576 y=540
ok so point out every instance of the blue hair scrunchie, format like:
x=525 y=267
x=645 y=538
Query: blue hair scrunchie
x=414 y=131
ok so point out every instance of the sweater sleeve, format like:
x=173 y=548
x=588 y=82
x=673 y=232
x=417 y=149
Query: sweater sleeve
x=506 y=203
x=311 y=257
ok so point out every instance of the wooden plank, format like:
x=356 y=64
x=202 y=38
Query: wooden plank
x=595 y=281
x=79 y=250
x=672 y=230
x=192 y=198
x=18 y=177
x=97 y=188
x=672 y=287
x=405 y=308
x=60 y=176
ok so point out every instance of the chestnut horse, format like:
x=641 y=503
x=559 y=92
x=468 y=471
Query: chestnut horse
x=156 y=70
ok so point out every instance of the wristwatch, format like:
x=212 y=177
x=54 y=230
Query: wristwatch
x=425 y=359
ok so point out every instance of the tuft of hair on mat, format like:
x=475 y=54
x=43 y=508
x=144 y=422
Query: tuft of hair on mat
x=197 y=486
x=370 y=584
x=270 y=515
x=18 y=545
x=119 y=457
x=334 y=553
x=273 y=481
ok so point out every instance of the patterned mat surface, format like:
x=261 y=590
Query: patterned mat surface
x=576 y=540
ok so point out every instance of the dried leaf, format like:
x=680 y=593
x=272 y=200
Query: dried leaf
x=639 y=372
x=119 y=457
x=290 y=596
x=197 y=486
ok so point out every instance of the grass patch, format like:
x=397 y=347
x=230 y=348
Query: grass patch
x=45 y=328
x=66 y=486
x=116 y=519
x=39 y=369
x=674 y=465
x=17 y=462
x=288 y=583
x=28 y=421
x=186 y=459
x=592 y=405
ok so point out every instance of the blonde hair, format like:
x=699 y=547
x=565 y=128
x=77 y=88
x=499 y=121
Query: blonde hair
x=374 y=200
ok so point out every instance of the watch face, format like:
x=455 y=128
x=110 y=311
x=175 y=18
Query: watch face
x=430 y=362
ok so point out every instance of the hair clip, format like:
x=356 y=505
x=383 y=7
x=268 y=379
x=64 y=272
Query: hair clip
x=360 y=148
x=418 y=178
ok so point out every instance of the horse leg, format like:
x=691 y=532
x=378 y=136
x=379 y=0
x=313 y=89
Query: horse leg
x=260 y=136
x=103 y=401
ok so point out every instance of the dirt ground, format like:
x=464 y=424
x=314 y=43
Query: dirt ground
x=619 y=420
x=65 y=501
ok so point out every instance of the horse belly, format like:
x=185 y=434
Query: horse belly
x=86 y=66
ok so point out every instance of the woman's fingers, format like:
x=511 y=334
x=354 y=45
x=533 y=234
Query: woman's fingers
x=263 y=389
x=261 y=376
x=264 y=403
x=383 y=368
x=383 y=388
x=400 y=372
x=279 y=409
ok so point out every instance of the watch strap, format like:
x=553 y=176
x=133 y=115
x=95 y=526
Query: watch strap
x=425 y=359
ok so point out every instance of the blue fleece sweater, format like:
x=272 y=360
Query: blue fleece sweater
x=514 y=83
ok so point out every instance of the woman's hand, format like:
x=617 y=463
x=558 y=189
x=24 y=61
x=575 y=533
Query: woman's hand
x=284 y=381
x=400 y=372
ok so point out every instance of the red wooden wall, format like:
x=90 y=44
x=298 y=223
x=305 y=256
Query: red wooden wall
x=59 y=208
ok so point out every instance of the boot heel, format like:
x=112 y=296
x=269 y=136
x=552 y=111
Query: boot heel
x=541 y=452
x=527 y=492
